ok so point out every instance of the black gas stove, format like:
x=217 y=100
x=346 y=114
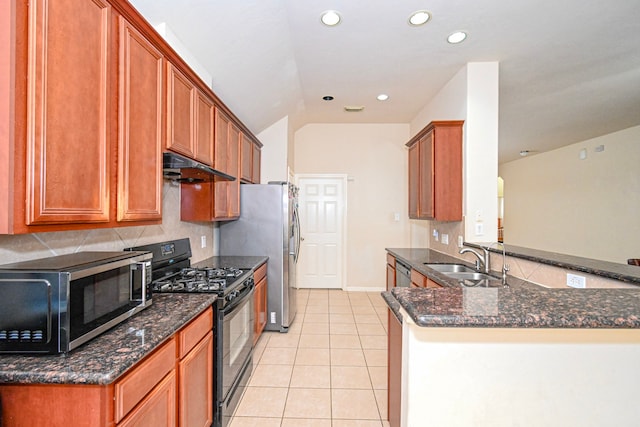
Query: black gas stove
x=201 y=280
x=173 y=272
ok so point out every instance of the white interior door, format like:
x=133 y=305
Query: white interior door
x=322 y=202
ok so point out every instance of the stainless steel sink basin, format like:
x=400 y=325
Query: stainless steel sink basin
x=450 y=268
x=475 y=279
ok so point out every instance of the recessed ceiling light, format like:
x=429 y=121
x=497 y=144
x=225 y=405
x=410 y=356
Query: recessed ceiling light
x=525 y=153
x=419 y=18
x=330 y=18
x=382 y=97
x=328 y=98
x=457 y=37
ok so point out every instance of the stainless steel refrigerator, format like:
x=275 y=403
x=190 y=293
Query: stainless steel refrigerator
x=269 y=225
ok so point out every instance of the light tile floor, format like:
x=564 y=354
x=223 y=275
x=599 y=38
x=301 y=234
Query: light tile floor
x=329 y=370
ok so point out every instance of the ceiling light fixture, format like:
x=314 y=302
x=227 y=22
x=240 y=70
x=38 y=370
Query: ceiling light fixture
x=327 y=98
x=382 y=97
x=353 y=108
x=330 y=18
x=457 y=37
x=525 y=153
x=418 y=18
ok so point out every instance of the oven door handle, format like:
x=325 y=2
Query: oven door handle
x=237 y=301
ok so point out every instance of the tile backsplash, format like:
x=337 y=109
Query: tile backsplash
x=14 y=248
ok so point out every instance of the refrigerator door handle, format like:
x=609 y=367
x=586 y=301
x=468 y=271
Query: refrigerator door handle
x=296 y=222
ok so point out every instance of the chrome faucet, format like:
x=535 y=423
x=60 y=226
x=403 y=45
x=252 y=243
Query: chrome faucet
x=505 y=266
x=483 y=262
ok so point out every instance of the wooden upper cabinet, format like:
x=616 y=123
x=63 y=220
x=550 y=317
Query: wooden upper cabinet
x=249 y=159
x=204 y=129
x=414 y=180
x=227 y=193
x=67 y=146
x=255 y=166
x=181 y=95
x=139 y=127
x=435 y=172
x=222 y=141
x=246 y=158
x=233 y=208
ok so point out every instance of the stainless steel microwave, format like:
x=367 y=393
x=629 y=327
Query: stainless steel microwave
x=53 y=305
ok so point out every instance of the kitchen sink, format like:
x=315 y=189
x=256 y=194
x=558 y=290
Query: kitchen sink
x=450 y=268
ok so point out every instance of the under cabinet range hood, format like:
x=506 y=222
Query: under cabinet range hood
x=183 y=169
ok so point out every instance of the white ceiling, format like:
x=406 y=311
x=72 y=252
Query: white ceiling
x=569 y=69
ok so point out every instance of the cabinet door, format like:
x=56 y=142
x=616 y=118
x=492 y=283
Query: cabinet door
x=139 y=128
x=394 y=370
x=196 y=385
x=391 y=277
x=246 y=158
x=260 y=308
x=158 y=408
x=233 y=187
x=414 y=179
x=426 y=194
x=220 y=203
x=204 y=132
x=68 y=149
x=418 y=280
x=180 y=115
x=255 y=166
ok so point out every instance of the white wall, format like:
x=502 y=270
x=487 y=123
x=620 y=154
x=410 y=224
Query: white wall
x=375 y=159
x=590 y=208
x=170 y=37
x=274 y=155
x=471 y=95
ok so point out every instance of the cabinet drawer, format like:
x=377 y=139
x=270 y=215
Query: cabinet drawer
x=130 y=390
x=191 y=334
x=260 y=273
x=158 y=409
x=418 y=279
x=391 y=260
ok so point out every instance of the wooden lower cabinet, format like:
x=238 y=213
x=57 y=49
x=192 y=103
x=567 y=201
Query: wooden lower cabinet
x=394 y=370
x=195 y=386
x=158 y=408
x=391 y=272
x=170 y=387
x=260 y=301
x=419 y=280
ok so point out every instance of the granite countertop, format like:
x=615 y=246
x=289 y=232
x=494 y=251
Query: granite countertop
x=241 y=262
x=521 y=305
x=622 y=272
x=106 y=357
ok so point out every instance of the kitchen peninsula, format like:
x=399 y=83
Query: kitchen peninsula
x=523 y=355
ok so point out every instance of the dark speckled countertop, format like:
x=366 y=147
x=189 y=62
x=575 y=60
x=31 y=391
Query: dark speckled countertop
x=522 y=305
x=106 y=357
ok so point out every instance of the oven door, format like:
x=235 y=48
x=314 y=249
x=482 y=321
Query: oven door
x=237 y=339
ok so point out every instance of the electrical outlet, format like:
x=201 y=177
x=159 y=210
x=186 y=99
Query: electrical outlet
x=479 y=229
x=460 y=241
x=203 y=241
x=436 y=234
x=445 y=239
x=273 y=317
x=576 y=281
